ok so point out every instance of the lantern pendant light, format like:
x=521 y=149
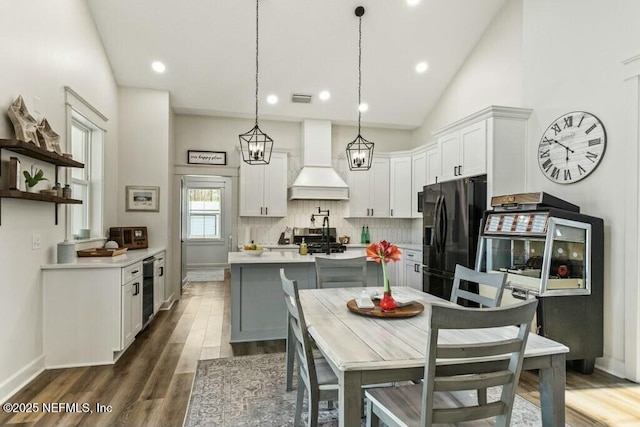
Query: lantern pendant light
x=359 y=151
x=256 y=145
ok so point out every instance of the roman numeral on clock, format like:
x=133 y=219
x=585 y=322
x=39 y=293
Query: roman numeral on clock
x=547 y=140
x=594 y=142
x=547 y=165
x=568 y=122
x=556 y=128
x=581 y=170
x=544 y=154
x=592 y=127
x=567 y=175
x=581 y=119
x=591 y=156
x=555 y=174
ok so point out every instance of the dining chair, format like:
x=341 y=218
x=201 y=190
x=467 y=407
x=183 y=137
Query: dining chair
x=341 y=272
x=314 y=373
x=446 y=398
x=491 y=282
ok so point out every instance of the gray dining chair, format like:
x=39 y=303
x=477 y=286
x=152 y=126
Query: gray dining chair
x=493 y=287
x=445 y=398
x=314 y=373
x=492 y=283
x=341 y=272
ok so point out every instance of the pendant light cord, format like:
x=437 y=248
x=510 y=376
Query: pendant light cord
x=359 y=70
x=257 y=1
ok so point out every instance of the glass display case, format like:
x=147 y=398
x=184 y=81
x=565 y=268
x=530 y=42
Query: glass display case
x=543 y=255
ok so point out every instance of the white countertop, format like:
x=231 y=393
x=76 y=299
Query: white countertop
x=275 y=257
x=130 y=257
x=350 y=246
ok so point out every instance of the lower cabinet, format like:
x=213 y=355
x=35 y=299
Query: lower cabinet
x=90 y=315
x=410 y=269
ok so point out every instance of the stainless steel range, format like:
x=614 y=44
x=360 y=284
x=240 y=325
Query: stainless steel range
x=317 y=242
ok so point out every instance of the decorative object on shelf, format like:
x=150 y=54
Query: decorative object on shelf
x=49 y=192
x=15 y=176
x=24 y=125
x=66 y=192
x=67 y=155
x=33 y=178
x=48 y=139
x=572 y=147
x=58 y=189
x=359 y=151
x=142 y=199
x=206 y=157
x=383 y=252
x=255 y=145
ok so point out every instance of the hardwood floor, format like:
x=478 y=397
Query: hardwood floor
x=151 y=383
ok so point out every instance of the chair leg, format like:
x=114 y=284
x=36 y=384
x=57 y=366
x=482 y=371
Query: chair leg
x=482 y=396
x=372 y=419
x=313 y=409
x=299 y=401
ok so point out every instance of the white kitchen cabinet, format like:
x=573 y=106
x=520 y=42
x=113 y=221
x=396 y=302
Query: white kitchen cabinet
x=463 y=152
x=433 y=164
x=369 y=190
x=131 y=303
x=418 y=180
x=158 y=282
x=401 y=187
x=412 y=268
x=263 y=188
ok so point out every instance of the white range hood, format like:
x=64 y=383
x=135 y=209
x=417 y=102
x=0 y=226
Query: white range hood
x=317 y=180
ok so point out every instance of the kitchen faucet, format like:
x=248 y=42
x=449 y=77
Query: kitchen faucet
x=325 y=230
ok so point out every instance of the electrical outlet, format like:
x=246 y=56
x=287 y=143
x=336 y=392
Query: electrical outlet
x=35 y=242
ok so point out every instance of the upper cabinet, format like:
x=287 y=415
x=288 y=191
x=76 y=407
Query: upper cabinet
x=433 y=164
x=402 y=189
x=263 y=188
x=419 y=179
x=463 y=152
x=369 y=190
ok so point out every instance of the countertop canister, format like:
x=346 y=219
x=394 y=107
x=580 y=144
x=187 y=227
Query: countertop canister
x=66 y=252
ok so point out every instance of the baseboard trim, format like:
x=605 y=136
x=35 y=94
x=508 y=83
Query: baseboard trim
x=612 y=366
x=21 y=378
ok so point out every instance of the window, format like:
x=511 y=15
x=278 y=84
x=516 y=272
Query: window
x=85 y=141
x=203 y=213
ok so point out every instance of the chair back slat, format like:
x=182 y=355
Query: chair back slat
x=494 y=282
x=444 y=317
x=303 y=350
x=341 y=272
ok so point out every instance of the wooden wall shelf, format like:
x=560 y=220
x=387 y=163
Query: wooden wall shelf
x=31 y=150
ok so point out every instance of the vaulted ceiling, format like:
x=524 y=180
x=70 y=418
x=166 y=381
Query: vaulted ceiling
x=306 y=46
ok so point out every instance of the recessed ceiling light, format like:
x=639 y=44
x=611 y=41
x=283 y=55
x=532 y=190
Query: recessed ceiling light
x=272 y=99
x=413 y=2
x=158 y=67
x=324 y=95
x=363 y=107
x=421 y=67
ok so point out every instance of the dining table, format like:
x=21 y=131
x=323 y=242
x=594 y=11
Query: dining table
x=364 y=350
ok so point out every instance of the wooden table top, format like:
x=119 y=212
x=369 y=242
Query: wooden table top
x=355 y=342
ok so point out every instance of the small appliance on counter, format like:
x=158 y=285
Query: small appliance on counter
x=129 y=237
x=313 y=237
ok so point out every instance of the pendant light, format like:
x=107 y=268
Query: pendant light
x=359 y=151
x=256 y=145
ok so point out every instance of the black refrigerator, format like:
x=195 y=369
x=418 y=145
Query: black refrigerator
x=452 y=213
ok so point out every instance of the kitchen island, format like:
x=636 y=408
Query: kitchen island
x=258 y=310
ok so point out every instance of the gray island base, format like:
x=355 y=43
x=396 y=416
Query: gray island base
x=258 y=310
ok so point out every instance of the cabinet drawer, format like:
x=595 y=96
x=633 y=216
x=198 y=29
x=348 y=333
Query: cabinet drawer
x=131 y=272
x=411 y=255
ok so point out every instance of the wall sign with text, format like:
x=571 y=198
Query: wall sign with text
x=207 y=157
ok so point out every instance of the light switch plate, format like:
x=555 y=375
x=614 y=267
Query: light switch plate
x=35 y=242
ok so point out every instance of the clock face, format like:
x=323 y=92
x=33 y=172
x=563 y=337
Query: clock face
x=572 y=147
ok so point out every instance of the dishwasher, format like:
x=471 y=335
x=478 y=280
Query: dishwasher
x=148 y=268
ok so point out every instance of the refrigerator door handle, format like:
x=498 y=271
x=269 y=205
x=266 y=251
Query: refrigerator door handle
x=443 y=222
x=436 y=225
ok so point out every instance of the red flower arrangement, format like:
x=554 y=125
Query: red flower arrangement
x=383 y=252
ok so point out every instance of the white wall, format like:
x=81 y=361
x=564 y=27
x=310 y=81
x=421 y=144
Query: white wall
x=46 y=46
x=556 y=57
x=145 y=158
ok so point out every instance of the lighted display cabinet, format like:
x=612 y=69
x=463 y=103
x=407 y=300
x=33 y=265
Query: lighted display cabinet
x=551 y=252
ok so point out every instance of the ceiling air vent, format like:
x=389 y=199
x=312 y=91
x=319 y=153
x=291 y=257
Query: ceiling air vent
x=301 y=99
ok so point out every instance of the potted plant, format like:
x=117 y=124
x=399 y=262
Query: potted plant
x=33 y=178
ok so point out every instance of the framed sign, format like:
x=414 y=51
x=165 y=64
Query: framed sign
x=207 y=157
x=142 y=199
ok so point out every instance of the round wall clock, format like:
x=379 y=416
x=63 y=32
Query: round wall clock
x=572 y=147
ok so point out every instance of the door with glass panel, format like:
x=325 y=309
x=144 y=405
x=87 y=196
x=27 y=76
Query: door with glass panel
x=206 y=222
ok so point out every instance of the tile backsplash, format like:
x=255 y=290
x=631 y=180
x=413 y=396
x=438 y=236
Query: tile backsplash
x=267 y=230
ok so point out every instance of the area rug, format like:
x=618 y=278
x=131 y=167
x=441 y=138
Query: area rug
x=248 y=391
x=208 y=275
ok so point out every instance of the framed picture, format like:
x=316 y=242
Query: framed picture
x=142 y=199
x=206 y=157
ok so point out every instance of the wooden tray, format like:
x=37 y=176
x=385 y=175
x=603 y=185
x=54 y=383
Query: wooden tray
x=101 y=252
x=409 y=310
